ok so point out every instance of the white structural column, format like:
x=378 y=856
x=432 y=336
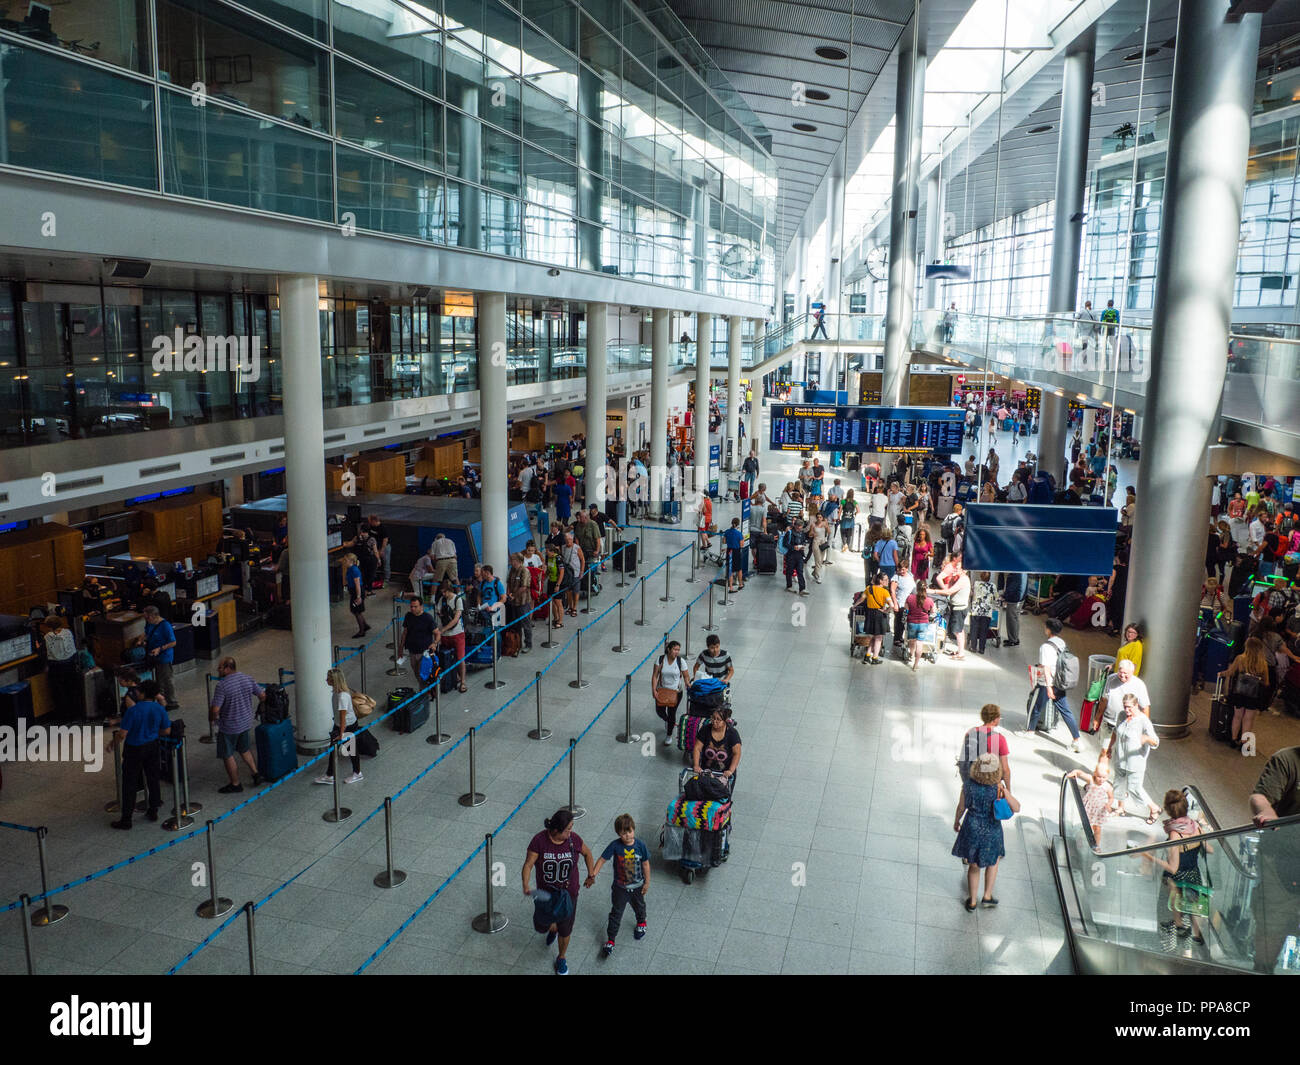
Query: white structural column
x=493 y=443
x=304 y=480
x=901 y=290
x=703 y=375
x=735 y=325
x=597 y=343
x=659 y=340
x=934 y=212
x=1200 y=221
x=1053 y=413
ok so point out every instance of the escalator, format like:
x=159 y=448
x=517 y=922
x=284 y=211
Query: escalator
x=1118 y=919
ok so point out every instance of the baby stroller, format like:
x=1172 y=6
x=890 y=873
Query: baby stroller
x=935 y=634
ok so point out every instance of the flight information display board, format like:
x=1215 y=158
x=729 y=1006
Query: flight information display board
x=807 y=427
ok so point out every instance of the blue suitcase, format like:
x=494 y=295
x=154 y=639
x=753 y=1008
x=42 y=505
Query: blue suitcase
x=1213 y=655
x=277 y=756
x=1241 y=606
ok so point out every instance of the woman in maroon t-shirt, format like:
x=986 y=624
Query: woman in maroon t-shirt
x=555 y=852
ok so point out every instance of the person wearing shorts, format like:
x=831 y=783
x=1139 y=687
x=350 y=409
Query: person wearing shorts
x=555 y=852
x=234 y=702
x=451 y=627
x=738 y=569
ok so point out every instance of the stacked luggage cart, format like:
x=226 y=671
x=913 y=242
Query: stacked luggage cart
x=697 y=828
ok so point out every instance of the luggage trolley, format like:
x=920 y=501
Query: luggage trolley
x=697 y=833
x=698 y=710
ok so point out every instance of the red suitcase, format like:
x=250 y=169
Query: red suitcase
x=744 y=488
x=1090 y=715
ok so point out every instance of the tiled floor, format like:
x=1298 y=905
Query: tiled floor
x=840 y=858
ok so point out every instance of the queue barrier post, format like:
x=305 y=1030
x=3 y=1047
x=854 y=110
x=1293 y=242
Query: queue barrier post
x=188 y=807
x=437 y=736
x=538 y=733
x=178 y=819
x=642 y=621
x=573 y=807
x=578 y=682
x=626 y=735
x=390 y=877
x=23 y=914
x=473 y=797
x=50 y=914
x=587 y=609
x=338 y=814
x=490 y=920
x=495 y=683
x=686 y=635
x=211 y=737
x=214 y=906
x=710 y=627
x=549 y=642
x=249 y=910
x=620 y=648
x=115 y=805
x=695 y=560
x=667 y=597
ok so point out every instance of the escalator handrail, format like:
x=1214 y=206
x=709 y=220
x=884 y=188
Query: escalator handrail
x=1214 y=822
x=1147 y=848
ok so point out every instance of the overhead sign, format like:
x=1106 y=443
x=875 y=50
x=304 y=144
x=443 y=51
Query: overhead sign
x=950 y=271
x=1040 y=539
x=800 y=427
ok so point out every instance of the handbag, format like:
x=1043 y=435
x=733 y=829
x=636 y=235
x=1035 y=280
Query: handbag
x=1191 y=896
x=1002 y=809
x=362 y=704
x=666 y=696
x=1247 y=685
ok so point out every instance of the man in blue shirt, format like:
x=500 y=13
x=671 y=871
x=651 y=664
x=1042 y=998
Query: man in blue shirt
x=160 y=644
x=141 y=725
x=886 y=555
x=739 y=567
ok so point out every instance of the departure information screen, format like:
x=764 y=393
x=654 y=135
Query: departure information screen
x=807 y=427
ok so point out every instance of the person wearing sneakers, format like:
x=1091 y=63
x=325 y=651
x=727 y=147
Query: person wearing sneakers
x=631 y=859
x=344 y=718
x=555 y=852
x=234 y=700
x=1045 y=676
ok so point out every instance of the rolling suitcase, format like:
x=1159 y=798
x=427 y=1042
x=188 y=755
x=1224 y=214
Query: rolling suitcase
x=1213 y=654
x=279 y=616
x=276 y=754
x=1049 y=718
x=1220 y=715
x=183 y=652
x=412 y=715
x=447 y=677
x=1090 y=715
x=1066 y=605
x=766 y=562
x=1241 y=606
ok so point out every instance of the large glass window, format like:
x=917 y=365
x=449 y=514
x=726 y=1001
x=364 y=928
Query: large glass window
x=377 y=114
x=214 y=153
x=549 y=181
x=305 y=16
x=242 y=61
x=388 y=197
x=112 y=31
x=71 y=118
x=393 y=38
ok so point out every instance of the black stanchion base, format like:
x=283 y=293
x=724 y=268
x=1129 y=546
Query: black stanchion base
x=336 y=819
x=170 y=825
x=666 y=599
x=495 y=684
x=623 y=737
x=206 y=909
x=381 y=879
x=579 y=684
x=577 y=811
x=43 y=918
x=539 y=734
x=191 y=808
x=476 y=799
x=437 y=737
x=489 y=922
x=548 y=643
x=619 y=649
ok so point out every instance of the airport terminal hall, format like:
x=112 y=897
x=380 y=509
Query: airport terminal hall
x=649 y=488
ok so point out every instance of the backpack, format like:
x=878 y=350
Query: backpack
x=534 y=493
x=275 y=708
x=1067 y=668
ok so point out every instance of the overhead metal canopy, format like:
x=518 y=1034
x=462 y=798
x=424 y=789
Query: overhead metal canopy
x=766 y=48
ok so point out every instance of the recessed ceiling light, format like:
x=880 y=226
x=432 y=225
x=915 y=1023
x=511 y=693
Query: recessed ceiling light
x=1133 y=57
x=816 y=94
x=1038 y=129
x=804 y=127
x=836 y=55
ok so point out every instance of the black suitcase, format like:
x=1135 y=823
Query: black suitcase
x=411 y=716
x=1220 y=715
x=279 y=616
x=447 y=678
x=1064 y=606
x=766 y=561
x=625 y=559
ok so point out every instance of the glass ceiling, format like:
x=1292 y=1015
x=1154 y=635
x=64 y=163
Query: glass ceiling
x=966 y=72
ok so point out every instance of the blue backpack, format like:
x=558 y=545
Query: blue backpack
x=707 y=685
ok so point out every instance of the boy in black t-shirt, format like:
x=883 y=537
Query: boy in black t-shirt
x=631 y=861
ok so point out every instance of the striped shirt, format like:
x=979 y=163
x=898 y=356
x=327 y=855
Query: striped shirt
x=714 y=665
x=236 y=697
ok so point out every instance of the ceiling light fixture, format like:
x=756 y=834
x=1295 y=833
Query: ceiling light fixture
x=1133 y=57
x=836 y=55
x=816 y=94
x=1039 y=129
x=804 y=127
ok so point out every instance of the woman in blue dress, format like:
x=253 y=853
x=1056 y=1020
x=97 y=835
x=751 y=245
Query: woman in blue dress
x=979 y=833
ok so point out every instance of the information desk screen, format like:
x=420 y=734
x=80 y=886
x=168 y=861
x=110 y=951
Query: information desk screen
x=805 y=427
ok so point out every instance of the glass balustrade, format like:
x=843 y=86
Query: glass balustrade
x=1245 y=916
